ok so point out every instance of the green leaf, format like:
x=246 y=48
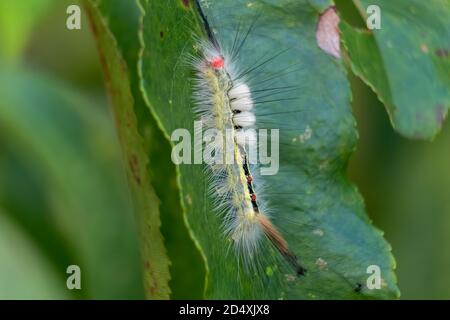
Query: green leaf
x=67 y=149
x=418 y=207
x=156 y=273
x=17 y=19
x=25 y=272
x=142 y=139
x=406 y=62
x=320 y=213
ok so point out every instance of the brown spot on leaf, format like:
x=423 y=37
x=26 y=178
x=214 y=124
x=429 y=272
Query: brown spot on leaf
x=441 y=53
x=186 y=3
x=106 y=72
x=327 y=33
x=424 y=48
x=134 y=167
x=153 y=288
x=151 y=282
x=291 y=278
x=161 y=34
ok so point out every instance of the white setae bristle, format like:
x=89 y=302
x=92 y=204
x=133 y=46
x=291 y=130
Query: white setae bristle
x=244 y=119
x=246 y=137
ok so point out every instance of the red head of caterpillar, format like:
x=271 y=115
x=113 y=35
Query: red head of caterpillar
x=217 y=62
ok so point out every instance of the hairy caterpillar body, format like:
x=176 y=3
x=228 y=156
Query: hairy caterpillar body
x=224 y=102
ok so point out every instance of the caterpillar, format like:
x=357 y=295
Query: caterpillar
x=223 y=101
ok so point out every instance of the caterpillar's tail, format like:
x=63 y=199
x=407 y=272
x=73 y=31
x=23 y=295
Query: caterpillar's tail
x=280 y=243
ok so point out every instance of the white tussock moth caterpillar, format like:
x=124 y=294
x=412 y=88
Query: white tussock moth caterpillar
x=224 y=102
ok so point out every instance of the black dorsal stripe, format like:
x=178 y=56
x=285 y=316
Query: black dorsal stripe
x=250 y=186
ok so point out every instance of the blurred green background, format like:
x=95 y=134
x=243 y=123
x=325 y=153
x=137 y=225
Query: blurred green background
x=63 y=194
